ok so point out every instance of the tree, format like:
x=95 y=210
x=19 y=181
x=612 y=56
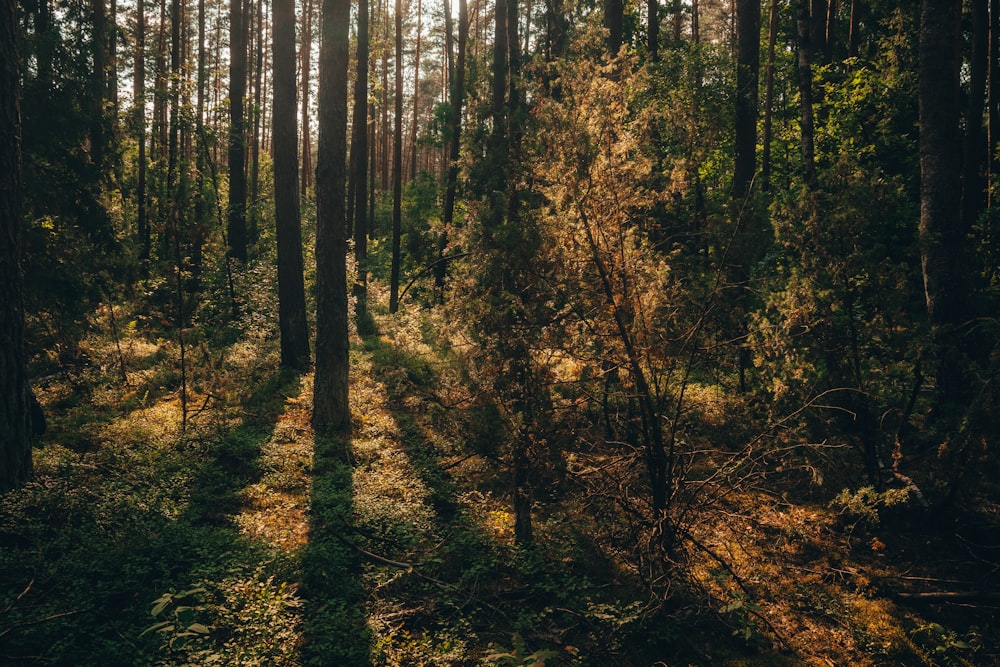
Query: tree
x=15 y=415
x=653 y=29
x=291 y=291
x=237 y=224
x=805 y=56
x=454 y=150
x=614 y=22
x=942 y=250
x=139 y=121
x=331 y=411
x=359 y=167
x=747 y=75
x=306 y=71
x=397 y=165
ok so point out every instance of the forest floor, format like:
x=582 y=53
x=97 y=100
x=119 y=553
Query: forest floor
x=223 y=532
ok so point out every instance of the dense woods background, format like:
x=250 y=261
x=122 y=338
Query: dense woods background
x=515 y=333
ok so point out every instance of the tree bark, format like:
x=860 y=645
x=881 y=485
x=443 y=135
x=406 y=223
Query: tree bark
x=291 y=291
x=15 y=415
x=975 y=152
x=457 y=101
x=416 y=98
x=397 y=165
x=854 y=36
x=747 y=76
x=331 y=411
x=359 y=162
x=772 y=38
x=941 y=241
x=237 y=223
x=253 y=221
x=139 y=122
x=653 y=29
x=805 y=51
x=306 y=67
x=614 y=22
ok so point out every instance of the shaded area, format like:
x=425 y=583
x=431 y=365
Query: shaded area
x=141 y=511
x=335 y=627
x=561 y=600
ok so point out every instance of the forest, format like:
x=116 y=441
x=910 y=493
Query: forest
x=599 y=333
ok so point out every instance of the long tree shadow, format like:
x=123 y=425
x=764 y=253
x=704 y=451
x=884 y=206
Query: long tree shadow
x=102 y=533
x=335 y=628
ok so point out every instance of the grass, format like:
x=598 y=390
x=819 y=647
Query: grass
x=246 y=540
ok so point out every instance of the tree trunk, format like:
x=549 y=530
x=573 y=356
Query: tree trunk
x=237 y=224
x=200 y=228
x=359 y=175
x=15 y=413
x=653 y=29
x=805 y=50
x=830 y=34
x=457 y=101
x=139 y=121
x=98 y=132
x=747 y=75
x=397 y=165
x=291 y=291
x=772 y=38
x=854 y=37
x=976 y=152
x=331 y=410
x=253 y=221
x=306 y=67
x=416 y=98
x=941 y=241
x=614 y=22
x=993 y=116
x=817 y=28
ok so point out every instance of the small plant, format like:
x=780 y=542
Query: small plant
x=866 y=503
x=945 y=644
x=518 y=655
x=178 y=626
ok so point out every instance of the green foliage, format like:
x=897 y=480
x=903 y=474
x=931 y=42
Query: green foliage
x=946 y=646
x=519 y=656
x=866 y=503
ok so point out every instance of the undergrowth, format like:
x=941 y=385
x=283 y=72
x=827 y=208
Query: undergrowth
x=243 y=540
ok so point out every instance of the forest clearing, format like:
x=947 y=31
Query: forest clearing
x=499 y=332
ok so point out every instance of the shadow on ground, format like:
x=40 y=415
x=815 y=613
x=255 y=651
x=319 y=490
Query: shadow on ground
x=335 y=627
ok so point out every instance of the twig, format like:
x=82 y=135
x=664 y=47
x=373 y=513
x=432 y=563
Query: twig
x=949 y=596
x=40 y=620
x=18 y=598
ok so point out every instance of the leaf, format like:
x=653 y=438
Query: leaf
x=162 y=626
x=160 y=604
x=192 y=591
x=199 y=628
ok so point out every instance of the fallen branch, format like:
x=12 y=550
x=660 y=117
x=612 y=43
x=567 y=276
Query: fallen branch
x=949 y=596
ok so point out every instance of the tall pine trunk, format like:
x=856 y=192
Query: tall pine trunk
x=397 y=165
x=331 y=411
x=941 y=240
x=15 y=421
x=305 y=67
x=237 y=223
x=454 y=152
x=805 y=54
x=359 y=164
x=291 y=291
x=139 y=121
